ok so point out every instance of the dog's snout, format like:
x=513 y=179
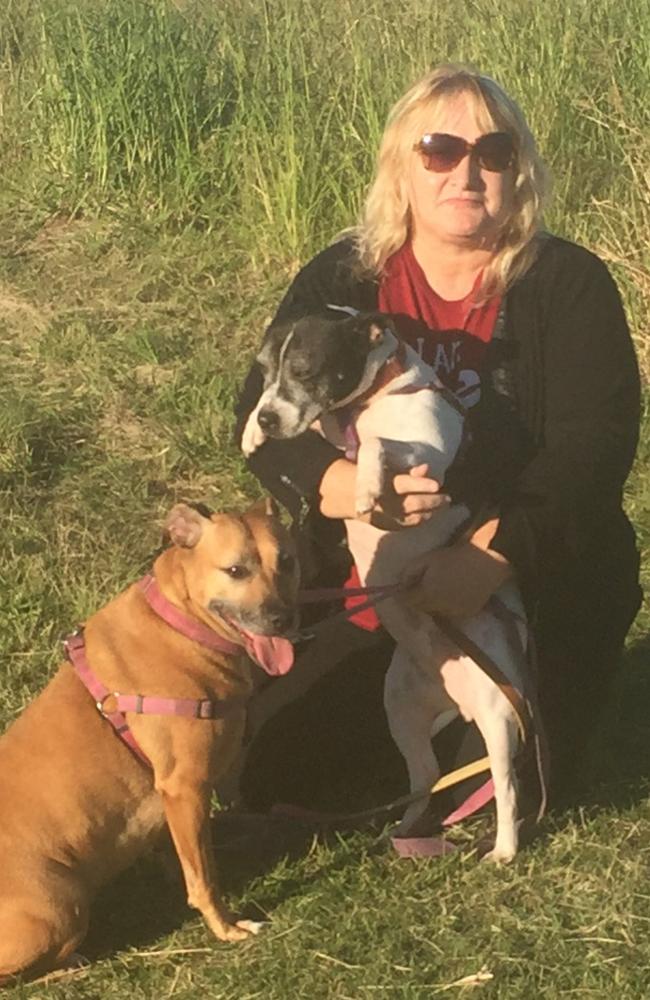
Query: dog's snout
x=268 y=419
x=280 y=618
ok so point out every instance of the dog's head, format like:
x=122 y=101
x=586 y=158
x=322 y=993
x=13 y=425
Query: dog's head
x=241 y=569
x=318 y=364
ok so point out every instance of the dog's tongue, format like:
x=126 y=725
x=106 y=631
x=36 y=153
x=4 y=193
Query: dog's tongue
x=271 y=653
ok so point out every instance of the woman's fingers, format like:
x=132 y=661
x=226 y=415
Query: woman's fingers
x=412 y=498
x=415 y=481
x=423 y=503
x=418 y=494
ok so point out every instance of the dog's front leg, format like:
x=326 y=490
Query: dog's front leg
x=187 y=810
x=371 y=474
x=253 y=435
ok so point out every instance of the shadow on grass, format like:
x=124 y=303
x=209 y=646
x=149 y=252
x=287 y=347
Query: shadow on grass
x=142 y=905
x=148 y=901
x=616 y=772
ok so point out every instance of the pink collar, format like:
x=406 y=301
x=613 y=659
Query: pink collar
x=189 y=627
x=272 y=653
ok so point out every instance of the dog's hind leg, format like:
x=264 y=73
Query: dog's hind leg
x=412 y=705
x=371 y=475
x=501 y=736
x=33 y=943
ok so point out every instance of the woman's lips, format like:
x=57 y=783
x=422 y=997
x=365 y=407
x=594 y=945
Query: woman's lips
x=475 y=202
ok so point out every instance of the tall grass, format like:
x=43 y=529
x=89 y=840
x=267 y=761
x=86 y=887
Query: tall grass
x=261 y=119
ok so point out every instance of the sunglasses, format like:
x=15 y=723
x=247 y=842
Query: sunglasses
x=441 y=152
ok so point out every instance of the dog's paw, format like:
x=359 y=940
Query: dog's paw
x=75 y=961
x=500 y=856
x=364 y=502
x=239 y=930
x=251 y=926
x=253 y=435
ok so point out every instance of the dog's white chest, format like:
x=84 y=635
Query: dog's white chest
x=144 y=823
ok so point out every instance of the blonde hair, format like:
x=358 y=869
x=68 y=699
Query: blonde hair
x=386 y=216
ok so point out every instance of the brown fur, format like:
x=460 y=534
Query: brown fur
x=77 y=806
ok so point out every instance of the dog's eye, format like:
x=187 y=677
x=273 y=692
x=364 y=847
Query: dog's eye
x=238 y=572
x=340 y=376
x=301 y=369
x=286 y=562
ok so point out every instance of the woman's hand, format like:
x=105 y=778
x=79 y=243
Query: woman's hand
x=412 y=499
x=458 y=581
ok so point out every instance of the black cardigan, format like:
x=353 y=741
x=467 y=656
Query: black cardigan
x=555 y=432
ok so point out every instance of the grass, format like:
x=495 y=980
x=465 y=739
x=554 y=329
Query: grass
x=165 y=169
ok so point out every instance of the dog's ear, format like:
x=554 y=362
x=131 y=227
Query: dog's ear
x=375 y=334
x=274 y=337
x=378 y=326
x=267 y=506
x=184 y=525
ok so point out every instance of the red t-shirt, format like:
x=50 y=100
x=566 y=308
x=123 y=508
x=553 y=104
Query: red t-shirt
x=452 y=337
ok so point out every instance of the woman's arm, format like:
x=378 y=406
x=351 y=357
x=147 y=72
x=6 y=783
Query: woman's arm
x=459 y=580
x=579 y=382
x=578 y=410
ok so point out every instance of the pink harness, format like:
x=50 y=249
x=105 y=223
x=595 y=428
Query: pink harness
x=275 y=655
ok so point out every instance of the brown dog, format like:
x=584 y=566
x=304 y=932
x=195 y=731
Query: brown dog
x=77 y=805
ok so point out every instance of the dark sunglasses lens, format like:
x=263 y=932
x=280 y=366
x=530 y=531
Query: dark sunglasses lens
x=495 y=151
x=442 y=152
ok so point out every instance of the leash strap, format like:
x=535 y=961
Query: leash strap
x=489 y=667
x=411 y=847
x=446 y=781
x=373 y=594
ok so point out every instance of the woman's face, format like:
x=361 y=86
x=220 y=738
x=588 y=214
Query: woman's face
x=466 y=206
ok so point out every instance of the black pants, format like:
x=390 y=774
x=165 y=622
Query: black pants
x=331 y=749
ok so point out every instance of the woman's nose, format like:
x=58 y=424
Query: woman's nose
x=468 y=172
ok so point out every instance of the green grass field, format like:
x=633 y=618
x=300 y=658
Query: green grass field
x=165 y=169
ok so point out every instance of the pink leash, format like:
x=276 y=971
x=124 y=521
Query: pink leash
x=406 y=847
x=437 y=847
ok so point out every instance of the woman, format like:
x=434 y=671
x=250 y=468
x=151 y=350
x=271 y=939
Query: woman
x=529 y=331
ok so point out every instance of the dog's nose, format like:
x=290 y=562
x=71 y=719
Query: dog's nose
x=280 y=619
x=268 y=420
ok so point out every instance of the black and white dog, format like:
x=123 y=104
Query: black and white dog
x=401 y=416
